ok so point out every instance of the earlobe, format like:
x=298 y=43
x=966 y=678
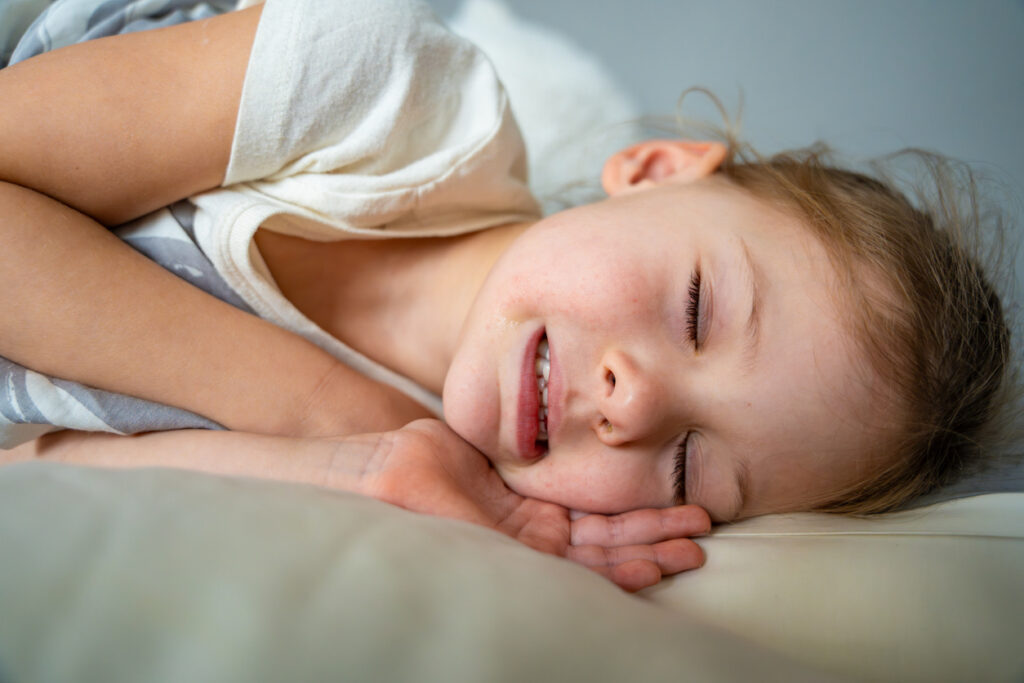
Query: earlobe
x=656 y=162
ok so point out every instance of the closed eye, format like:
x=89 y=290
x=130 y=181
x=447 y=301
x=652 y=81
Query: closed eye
x=693 y=308
x=679 y=470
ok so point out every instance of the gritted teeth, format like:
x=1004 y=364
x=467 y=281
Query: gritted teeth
x=542 y=367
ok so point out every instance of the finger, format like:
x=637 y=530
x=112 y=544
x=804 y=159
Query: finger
x=670 y=557
x=632 y=576
x=635 y=575
x=639 y=527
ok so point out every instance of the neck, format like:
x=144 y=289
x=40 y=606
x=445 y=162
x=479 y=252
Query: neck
x=400 y=302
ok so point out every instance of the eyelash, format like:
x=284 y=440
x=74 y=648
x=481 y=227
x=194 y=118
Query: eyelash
x=679 y=471
x=692 y=331
x=693 y=307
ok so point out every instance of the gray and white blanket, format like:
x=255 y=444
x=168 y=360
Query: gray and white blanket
x=31 y=27
x=32 y=404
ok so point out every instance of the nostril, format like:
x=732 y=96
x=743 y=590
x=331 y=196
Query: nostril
x=610 y=378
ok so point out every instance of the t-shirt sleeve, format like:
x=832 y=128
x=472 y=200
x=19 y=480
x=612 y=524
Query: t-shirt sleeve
x=368 y=111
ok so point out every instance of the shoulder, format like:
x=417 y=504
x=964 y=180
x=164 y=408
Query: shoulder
x=365 y=87
x=384 y=26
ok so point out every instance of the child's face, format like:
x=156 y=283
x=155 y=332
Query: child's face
x=772 y=407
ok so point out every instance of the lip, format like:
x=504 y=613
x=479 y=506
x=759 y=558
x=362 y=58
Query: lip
x=528 y=404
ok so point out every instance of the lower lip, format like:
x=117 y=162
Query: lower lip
x=529 y=403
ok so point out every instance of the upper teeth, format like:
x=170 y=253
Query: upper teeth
x=542 y=365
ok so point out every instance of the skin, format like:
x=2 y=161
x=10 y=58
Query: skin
x=784 y=423
x=423 y=467
x=78 y=160
x=784 y=427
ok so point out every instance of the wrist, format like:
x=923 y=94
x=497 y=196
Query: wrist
x=344 y=402
x=352 y=463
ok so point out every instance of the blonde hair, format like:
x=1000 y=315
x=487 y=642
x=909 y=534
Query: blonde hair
x=928 y=319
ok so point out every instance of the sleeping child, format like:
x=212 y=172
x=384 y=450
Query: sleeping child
x=724 y=336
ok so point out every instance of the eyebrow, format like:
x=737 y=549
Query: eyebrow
x=754 y=319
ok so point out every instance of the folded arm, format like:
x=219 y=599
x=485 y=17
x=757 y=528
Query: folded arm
x=97 y=134
x=424 y=467
x=118 y=127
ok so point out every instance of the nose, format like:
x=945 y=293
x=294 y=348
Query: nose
x=632 y=400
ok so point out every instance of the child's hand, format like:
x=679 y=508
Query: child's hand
x=426 y=467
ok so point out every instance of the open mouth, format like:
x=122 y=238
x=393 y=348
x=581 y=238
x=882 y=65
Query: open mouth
x=532 y=410
x=542 y=369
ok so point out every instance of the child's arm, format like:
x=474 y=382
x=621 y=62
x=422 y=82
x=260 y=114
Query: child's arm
x=103 y=132
x=423 y=467
x=121 y=126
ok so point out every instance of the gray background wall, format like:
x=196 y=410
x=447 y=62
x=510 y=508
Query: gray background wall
x=867 y=76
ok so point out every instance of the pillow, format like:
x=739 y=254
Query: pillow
x=931 y=594
x=164 y=575
x=161 y=575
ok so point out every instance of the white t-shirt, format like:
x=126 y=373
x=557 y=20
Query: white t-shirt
x=360 y=119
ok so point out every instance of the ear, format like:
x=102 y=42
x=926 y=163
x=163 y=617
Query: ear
x=656 y=162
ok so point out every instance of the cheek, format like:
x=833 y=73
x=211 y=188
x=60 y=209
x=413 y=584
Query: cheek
x=471 y=401
x=586 y=275
x=606 y=488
